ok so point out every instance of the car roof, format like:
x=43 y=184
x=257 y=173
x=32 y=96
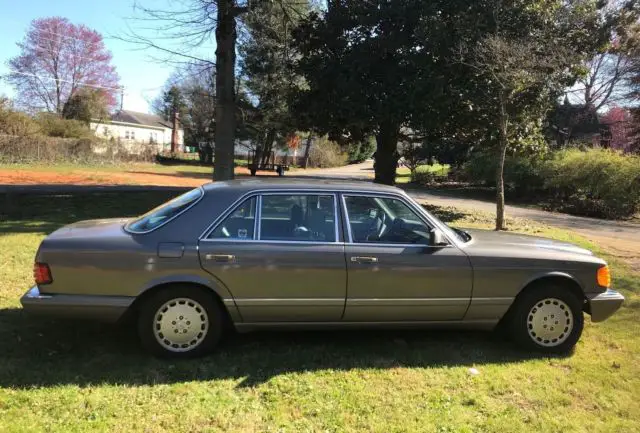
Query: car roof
x=276 y=184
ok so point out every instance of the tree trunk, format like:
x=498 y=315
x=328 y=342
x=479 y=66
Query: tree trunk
x=268 y=146
x=502 y=151
x=225 y=91
x=386 y=157
x=307 y=150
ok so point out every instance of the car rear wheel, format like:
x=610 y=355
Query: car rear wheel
x=547 y=319
x=180 y=322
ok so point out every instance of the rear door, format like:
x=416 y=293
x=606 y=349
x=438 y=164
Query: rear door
x=281 y=256
x=394 y=273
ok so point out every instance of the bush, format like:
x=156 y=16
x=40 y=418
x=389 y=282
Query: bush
x=430 y=174
x=592 y=182
x=54 y=126
x=362 y=150
x=597 y=182
x=325 y=153
x=53 y=150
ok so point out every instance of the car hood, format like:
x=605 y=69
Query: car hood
x=500 y=242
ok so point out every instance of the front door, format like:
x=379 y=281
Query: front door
x=281 y=258
x=394 y=274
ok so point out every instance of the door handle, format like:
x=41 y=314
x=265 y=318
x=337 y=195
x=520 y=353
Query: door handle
x=364 y=260
x=222 y=258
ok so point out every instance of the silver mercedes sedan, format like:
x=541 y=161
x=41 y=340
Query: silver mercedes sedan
x=253 y=254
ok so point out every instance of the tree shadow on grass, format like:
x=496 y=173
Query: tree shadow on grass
x=39 y=352
x=446 y=214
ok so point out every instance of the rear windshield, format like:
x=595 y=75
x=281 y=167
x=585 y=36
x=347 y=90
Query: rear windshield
x=163 y=213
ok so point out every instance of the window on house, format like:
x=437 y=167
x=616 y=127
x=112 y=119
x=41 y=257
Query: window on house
x=133 y=135
x=105 y=131
x=126 y=134
x=151 y=137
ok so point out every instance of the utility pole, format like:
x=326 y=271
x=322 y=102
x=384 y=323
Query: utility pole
x=121 y=97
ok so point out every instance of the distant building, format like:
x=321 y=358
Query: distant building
x=137 y=130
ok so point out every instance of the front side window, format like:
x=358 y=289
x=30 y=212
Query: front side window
x=163 y=213
x=384 y=220
x=239 y=224
x=298 y=217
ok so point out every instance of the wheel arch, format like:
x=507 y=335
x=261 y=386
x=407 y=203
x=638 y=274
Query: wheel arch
x=560 y=278
x=221 y=296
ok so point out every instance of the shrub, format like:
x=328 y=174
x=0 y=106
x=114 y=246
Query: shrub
x=54 y=126
x=597 y=182
x=325 y=153
x=522 y=173
x=430 y=174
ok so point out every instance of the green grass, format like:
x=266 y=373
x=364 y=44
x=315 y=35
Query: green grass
x=64 y=376
x=403 y=175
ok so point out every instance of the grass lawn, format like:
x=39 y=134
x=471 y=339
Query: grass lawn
x=64 y=376
x=403 y=175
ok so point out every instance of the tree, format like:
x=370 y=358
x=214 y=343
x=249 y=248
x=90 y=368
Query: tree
x=520 y=67
x=413 y=155
x=370 y=70
x=268 y=79
x=86 y=104
x=57 y=59
x=618 y=122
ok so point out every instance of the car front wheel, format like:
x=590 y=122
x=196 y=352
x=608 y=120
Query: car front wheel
x=180 y=322
x=547 y=319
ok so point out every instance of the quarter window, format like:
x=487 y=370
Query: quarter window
x=384 y=220
x=239 y=224
x=298 y=217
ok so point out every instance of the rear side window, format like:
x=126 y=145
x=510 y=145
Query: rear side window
x=165 y=212
x=239 y=224
x=298 y=217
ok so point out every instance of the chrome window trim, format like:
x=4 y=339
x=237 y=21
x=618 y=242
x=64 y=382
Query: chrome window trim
x=256 y=233
x=424 y=215
x=227 y=213
x=305 y=193
x=420 y=213
x=144 y=232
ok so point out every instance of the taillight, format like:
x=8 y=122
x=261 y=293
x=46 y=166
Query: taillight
x=604 y=276
x=42 y=273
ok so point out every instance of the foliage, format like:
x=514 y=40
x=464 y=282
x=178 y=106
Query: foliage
x=325 y=153
x=53 y=125
x=413 y=155
x=266 y=56
x=618 y=121
x=85 y=105
x=361 y=150
x=56 y=60
x=594 y=182
x=598 y=182
x=15 y=122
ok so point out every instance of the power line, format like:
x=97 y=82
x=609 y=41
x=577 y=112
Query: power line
x=95 y=86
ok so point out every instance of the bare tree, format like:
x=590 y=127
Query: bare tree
x=56 y=60
x=606 y=80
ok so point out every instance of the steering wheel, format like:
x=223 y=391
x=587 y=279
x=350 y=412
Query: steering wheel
x=383 y=225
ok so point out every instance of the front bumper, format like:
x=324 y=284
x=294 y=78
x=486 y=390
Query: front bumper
x=602 y=305
x=99 y=308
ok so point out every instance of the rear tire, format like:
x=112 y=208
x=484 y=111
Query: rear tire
x=546 y=319
x=180 y=322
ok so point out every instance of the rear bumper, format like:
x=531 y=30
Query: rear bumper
x=602 y=305
x=99 y=308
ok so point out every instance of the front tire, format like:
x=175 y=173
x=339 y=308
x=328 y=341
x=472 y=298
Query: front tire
x=547 y=319
x=180 y=322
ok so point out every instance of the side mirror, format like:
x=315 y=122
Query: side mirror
x=437 y=239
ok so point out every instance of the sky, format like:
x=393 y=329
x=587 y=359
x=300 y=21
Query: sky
x=141 y=75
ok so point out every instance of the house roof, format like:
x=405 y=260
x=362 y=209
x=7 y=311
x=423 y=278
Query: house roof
x=144 y=119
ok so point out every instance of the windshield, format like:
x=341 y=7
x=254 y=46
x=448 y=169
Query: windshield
x=165 y=212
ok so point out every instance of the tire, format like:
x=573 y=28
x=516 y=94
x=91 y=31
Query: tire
x=552 y=310
x=190 y=317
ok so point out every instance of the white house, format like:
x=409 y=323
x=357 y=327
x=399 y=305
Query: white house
x=138 y=130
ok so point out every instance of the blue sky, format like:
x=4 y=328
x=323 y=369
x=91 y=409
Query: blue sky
x=139 y=74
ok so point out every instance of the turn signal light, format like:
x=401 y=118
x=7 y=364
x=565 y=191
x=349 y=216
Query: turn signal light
x=604 y=276
x=42 y=273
